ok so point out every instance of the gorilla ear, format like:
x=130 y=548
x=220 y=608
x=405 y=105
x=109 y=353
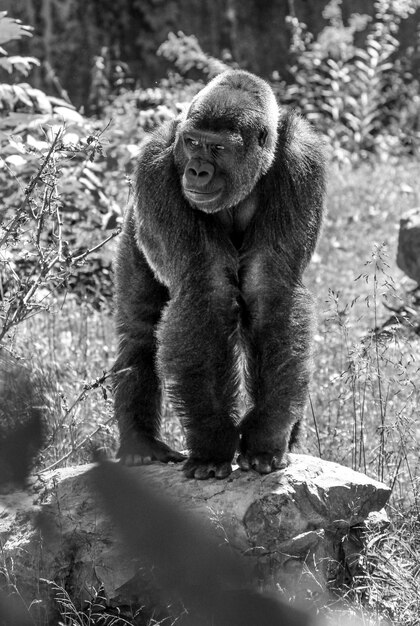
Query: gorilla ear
x=263 y=137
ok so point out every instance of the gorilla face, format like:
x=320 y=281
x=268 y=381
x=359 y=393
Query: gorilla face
x=224 y=144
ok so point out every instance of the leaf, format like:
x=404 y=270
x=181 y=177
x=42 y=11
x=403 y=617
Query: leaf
x=361 y=66
x=23 y=121
x=22 y=93
x=384 y=67
x=16 y=160
x=11 y=29
x=6 y=96
x=69 y=114
x=21 y=64
x=6 y=65
x=17 y=144
x=375 y=45
x=40 y=99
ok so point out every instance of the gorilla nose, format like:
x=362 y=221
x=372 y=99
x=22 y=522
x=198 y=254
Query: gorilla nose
x=199 y=174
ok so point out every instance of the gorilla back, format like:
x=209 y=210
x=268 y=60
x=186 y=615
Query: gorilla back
x=210 y=262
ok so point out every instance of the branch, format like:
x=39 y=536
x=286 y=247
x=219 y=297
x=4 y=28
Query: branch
x=28 y=191
x=86 y=253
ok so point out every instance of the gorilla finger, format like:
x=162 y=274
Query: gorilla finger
x=205 y=471
x=243 y=462
x=223 y=470
x=127 y=459
x=190 y=467
x=262 y=464
x=188 y=472
x=280 y=462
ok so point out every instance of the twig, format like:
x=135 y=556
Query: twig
x=59 y=234
x=316 y=428
x=86 y=253
x=87 y=387
x=76 y=447
x=30 y=188
x=29 y=294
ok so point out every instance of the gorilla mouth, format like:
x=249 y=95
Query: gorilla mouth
x=202 y=197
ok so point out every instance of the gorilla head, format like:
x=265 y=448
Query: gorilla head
x=226 y=140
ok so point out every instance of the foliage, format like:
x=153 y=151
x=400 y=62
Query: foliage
x=348 y=80
x=391 y=585
x=108 y=79
x=185 y=52
x=11 y=29
x=137 y=111
x=44 y=197
x=53 y=220
x=359 y=96
x=95 y=613
x=51 y=178
x=365 y=396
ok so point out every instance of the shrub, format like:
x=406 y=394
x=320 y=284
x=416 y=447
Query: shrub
x=49 y=182
x=361 y=97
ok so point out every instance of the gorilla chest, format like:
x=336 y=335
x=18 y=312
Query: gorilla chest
x=235 y=220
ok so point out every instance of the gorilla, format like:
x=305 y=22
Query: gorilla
x=209 y=292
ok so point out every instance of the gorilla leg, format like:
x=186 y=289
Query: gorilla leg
x=277 y=332
x=140 y=299
x=197 y=357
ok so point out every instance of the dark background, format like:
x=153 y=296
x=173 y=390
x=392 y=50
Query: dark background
x=70 y=33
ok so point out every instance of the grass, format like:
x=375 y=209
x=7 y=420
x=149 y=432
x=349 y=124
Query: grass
x=364 y=398
x=365 y=394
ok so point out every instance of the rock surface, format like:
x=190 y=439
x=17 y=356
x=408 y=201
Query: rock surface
x=297 y=526
x=408 y=253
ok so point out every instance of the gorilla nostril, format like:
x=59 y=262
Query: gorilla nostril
x=199 y=174
x=203 y=175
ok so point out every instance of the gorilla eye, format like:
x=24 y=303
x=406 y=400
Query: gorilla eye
x=192 y=143
x=219 y=147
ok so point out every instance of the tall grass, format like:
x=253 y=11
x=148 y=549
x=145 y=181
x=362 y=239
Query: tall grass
x=365 y=394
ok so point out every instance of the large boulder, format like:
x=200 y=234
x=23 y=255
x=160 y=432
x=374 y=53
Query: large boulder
x=408 y=253
x=300 y=528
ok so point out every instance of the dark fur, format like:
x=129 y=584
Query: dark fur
x=192 y=285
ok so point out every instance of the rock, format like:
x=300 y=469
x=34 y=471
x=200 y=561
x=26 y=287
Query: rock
x=300 y=529
x=408 y=253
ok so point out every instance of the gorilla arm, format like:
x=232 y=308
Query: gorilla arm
x=143 y=271
x=279 y=308
x=293 y=193
x=167 y=229
x=192 y=258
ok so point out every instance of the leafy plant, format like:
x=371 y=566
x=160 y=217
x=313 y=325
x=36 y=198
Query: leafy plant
x=355 y=94
x=95 y=613
x=11 y=29
x=186 y=53
x=50 y=180
x=36 y=221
